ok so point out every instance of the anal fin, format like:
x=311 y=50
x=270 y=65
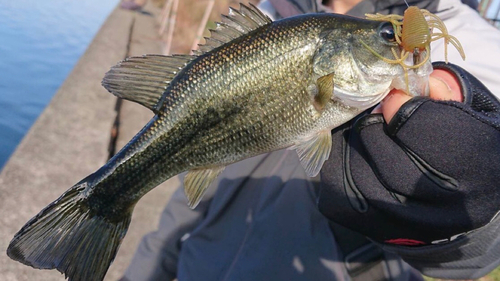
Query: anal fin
x=314 y=152
x=197 y=181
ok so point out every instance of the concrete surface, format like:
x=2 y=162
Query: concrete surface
x=70 y=140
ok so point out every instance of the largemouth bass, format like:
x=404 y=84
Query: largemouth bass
x=256 y=86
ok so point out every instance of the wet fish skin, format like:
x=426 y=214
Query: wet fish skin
x=257 y=93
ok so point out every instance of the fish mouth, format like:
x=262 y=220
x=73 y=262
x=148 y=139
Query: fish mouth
x=370 y=84
x=373 y=89
x=363 y=101
x=417 y=82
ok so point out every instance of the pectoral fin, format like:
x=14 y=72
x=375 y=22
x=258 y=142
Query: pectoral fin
x=196 y=183
x=314 y=152
x=325 y=91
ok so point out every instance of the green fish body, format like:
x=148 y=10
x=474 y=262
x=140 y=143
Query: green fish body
x=255 y=87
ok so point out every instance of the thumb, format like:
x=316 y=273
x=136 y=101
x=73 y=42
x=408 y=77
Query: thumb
x=391 y=104
x=442 y=86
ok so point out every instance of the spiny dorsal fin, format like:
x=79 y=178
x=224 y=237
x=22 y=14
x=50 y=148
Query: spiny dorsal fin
x=197 y=181
x=314 y=152
x=325 y=91
x=234 y=25
x=144 y=79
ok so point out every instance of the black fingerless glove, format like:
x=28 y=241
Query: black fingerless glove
x=428 y=177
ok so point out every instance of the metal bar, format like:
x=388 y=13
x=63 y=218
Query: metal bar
x=203 y=23
x=165 y=15
x=171 y=27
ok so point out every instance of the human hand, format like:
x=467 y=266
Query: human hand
x=428 y=175
x=442 y=86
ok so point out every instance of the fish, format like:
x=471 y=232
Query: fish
x=255 y=86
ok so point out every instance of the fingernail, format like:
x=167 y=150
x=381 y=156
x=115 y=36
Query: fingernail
x=442 y=81
x=439 y=89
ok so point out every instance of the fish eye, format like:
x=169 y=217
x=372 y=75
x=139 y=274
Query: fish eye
x=386 y=31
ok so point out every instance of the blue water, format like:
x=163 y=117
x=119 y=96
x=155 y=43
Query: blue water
x=40 y=42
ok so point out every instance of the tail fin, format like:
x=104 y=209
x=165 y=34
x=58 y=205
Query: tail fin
x=67 y=236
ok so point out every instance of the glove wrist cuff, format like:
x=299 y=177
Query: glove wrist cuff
x=469 y=256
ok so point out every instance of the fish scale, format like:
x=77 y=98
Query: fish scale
x=255 y=87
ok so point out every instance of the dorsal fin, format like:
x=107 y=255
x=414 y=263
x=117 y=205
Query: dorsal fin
x=144 y=79
x=234 y=25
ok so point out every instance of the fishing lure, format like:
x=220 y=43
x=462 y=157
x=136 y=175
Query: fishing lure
x=414 y=32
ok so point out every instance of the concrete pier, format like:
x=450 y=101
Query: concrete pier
x=70 y=140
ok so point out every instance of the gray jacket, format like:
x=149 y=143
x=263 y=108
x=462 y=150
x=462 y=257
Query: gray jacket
x=258 y=222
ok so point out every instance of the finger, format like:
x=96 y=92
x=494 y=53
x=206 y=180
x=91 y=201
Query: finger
x=391 y=104
x=444 y=86
x=377 y=109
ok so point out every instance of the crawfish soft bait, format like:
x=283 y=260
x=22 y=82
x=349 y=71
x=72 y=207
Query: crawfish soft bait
x=414 y=32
